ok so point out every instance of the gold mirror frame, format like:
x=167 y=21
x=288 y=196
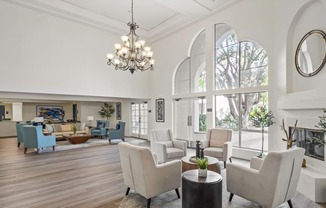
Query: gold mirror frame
x=298 y=53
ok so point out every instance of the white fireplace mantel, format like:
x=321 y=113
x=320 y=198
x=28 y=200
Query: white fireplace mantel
x=312 y=99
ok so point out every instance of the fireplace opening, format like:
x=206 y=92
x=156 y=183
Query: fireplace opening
x=310 y=140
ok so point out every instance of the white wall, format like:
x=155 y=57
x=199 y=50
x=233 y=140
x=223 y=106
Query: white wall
x=276 y=25
x=42 y=53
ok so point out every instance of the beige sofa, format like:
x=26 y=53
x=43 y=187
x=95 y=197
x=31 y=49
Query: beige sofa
x=58 y=130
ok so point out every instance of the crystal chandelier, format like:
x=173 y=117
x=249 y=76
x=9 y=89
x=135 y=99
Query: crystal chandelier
x=132 y=54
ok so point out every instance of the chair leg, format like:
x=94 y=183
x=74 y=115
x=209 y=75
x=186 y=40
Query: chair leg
x=230 y=160
x=18 y=144
x=127 y=192
x=25 y=150
x=231 y=196
x=149 y=203
x=37 y=151
x=290 y=203
x=53 y=147
x=224 y=164
x=177 y=191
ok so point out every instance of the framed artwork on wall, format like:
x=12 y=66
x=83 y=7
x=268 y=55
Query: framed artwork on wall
x=159 y=109
x=118 y=111
x=50 y=113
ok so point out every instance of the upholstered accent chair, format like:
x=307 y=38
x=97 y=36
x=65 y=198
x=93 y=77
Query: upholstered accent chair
x=218 y=144
x=166 y=148
x=272 y=183
x=118 y=132
x=19 y=130
x=101 y=128
x=142 y=174
x=34 y=138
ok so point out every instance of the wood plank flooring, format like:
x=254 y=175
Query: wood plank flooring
x=85 y=178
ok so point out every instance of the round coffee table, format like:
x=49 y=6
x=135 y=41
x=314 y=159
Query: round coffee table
x=213 y=164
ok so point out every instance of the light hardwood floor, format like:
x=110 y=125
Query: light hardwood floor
x=87 y=177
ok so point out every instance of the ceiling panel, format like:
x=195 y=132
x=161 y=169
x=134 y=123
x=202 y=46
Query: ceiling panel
x=147 y=13
x=156 y=18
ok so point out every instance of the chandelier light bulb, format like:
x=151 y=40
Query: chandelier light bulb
x=142 y=42
x=117 y=46
x=109 y=56
x=124 y=50
x=143 y=53
x=147 y=49
x=124 y=38
x=137 y=45
x=149 y=54
x=152 y=61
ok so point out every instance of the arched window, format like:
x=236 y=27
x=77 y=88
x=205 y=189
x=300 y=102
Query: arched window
x=189 y=80
x=241 y=79
x=190 y=76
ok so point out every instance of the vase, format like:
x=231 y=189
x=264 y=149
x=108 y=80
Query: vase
x=202 y=173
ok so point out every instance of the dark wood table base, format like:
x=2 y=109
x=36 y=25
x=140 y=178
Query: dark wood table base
x=77 y=138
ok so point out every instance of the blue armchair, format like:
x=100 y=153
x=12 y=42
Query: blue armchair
x=34 y=138
x=19 y=129
x=118 y=133
x=101 y=128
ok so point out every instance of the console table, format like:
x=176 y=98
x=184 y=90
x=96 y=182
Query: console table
x=201 y=192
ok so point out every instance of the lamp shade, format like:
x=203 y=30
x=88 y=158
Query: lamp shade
x=90 y=118
x=38 y=119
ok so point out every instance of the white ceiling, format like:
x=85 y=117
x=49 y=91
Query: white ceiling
x=156 y=18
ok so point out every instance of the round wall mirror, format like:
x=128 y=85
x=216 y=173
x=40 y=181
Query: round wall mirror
x=310 y=56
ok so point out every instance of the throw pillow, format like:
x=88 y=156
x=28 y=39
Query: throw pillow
x=66 y=128
x=49 y=127
x=117 y=126
x=100 y=125
x=56 y=127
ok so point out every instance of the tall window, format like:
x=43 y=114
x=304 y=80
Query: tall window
x=190 y=79
x=241 y=77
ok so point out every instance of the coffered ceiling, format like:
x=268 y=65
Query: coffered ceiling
x=156 y=18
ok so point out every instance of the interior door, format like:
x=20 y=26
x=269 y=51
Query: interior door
x=190 y=119
x=139 y=120
x=183 y=120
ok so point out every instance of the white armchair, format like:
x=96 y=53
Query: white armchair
x=142 y=174
x=167 y=148
x=272 y=183
x=219 y=144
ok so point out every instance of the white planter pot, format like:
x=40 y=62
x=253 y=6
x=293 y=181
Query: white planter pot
x=202 y=173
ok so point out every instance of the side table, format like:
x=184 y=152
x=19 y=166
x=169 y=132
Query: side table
x=201 y=192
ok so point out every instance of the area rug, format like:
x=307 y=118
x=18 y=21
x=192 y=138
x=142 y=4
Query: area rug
x=170 y=200
x=66 y=145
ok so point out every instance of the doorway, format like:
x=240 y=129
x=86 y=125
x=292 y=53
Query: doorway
x=139 y=120
x=190 y=119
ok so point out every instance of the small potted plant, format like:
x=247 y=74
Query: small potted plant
x=74 y=128
x=202 y=164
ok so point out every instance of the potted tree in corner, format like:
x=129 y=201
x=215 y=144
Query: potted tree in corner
x=106 y=111
x=261 y=118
